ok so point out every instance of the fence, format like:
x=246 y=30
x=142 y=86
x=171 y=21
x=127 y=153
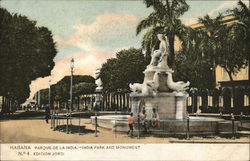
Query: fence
x=226 y=100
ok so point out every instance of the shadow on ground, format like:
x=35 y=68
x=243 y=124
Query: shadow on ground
x=23 y=115
x=73 y=129
x=184 y=137
x=34 y=115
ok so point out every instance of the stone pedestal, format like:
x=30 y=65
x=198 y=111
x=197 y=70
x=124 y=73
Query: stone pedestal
x=98 y=99
x=168 y=105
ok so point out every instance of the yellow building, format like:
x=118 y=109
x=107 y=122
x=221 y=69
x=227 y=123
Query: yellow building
x=221 y=74
x=233 y=96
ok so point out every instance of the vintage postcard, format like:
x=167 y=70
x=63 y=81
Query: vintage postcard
x=124 y=80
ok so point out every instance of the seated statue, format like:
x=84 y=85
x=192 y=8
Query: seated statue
x=159 y=57
x=98 y=82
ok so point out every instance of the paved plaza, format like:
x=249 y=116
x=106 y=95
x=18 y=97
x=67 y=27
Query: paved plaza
x=38 y=131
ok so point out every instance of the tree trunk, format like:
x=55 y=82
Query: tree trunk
x=78 y=103
x=3 y=105
x=67 y=105
x=120 y=97
x=124 y=101
x=8 y=105
x=171 y=59
x=229 y=74
x=59 y=105
x=128 y=102
x=118 y=101
x=11 y=106
x=109 y=103
x=234 y=98
x=104 y=101
x=112 y=101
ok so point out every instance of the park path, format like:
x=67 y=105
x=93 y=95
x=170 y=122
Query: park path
x=37 y=131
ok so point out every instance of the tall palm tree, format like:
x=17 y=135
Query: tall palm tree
x=164 y=19
x=213 y=31
x=237 y=41
x=191 y=62
x=227 y=45
x=237 y=47
x=242 y=13
x=234 y=50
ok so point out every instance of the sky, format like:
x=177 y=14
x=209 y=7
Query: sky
x=91 y=31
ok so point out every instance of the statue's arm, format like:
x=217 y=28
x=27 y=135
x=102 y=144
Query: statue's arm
x=163 y=46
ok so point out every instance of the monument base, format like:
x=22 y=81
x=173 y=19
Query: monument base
x=168 y=105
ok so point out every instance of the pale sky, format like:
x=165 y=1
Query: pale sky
x=93 y=31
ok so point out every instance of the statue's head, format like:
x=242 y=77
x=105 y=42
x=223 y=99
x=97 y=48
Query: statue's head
x=160 y=36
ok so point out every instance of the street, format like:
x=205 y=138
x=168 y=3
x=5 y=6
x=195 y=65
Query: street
x=38 y=131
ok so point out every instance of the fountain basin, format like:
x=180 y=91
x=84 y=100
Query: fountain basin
x=197 y=125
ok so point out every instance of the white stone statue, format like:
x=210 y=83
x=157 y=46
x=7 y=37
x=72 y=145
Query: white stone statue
x=179 y=86
x=159 y=57
x=147 y=87
x=136 y=87
x=154 y=85
x=98 y=81
x=144 y=89
x=163 y=62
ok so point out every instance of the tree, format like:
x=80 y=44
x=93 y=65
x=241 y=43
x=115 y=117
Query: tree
x=44 y=96
x=83 y=88
x=214 y=44
x=235 y=50
x=213 y=31
x=242 y=13
x=82 y=84
x=235 y=53
x=191 y=64
x=127 y=67
x=164 y=19
x=27 y=52
x=226 y=45
x=62 y=87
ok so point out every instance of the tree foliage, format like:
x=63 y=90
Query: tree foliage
x=27 y=52
x=62 y=88
x=226 y=45
x=165 y=20
x=127 y=67
x=83 y=88
x=44 y=96
x=236 y=49
x=191 y=65
x=82 y=84
x=214 y=44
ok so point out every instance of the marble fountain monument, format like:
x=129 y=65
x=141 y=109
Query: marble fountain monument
x=168 y=98
x=98 y=91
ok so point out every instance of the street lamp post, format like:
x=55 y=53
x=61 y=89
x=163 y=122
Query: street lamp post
x=51 y=114
x=192 y=91
x=71 y=85
x=54 y=118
